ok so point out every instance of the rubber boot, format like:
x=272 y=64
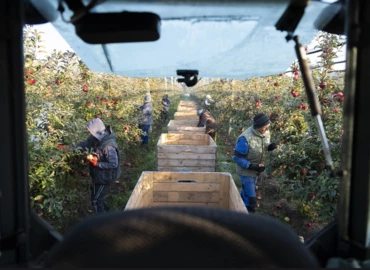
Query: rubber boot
x=252 y=204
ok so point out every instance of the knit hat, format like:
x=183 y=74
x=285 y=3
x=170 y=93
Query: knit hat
x=97 y=128
x=260 y=120
x=147 y=98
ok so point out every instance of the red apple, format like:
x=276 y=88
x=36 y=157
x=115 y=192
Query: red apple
x=322 y=85
x=276 y=84
x=29 y=72
x=308 y=224
x=303 y=172
x=278 y=206
x=89 y=103
x=58 y=82
x=84 y=88
x=31 y=81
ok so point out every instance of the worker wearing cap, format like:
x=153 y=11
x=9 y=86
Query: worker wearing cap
x=146 y=120
x=165 y=106
x=249 y=154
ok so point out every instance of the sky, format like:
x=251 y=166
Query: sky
x=52 y=38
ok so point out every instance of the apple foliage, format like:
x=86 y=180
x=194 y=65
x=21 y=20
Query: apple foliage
x=298 y=163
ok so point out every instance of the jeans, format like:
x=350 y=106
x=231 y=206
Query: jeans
x=145 y=138
x=248 y=192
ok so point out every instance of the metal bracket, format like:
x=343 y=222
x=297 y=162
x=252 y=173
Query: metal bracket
x=190 y=77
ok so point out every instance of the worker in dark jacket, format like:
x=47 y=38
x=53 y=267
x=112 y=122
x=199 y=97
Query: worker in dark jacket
x=165 y=107
x=146 y=111
x=104 y=164
x=206 y=119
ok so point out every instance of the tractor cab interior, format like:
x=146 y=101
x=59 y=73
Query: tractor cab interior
x=127 y=38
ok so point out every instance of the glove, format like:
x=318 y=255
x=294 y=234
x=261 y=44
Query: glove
x=93 y=160
x=256 y=167
x=271 y=147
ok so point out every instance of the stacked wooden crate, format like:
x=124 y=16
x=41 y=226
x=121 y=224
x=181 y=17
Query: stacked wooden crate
x=196 y=153
x=186 y=146
x=185 y=127
x=187 y=110
x=186 y=163
x=209 y=189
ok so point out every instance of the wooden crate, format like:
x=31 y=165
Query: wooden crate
x=176 y=152
x=187 y=103
x=186 y=109
x=186 y=115
x=185 y=127
x=210 y=189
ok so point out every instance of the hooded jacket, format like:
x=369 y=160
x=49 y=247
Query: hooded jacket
x=146 y=113
x=103 y=142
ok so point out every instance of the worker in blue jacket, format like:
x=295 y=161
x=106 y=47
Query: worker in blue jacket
x=250 y=151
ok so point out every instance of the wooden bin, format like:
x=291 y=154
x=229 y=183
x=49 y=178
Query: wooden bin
x=185 y=127
x=176 y=152
x=187 y=103
x=186 y=109
x=210 y=189
x=186 y=115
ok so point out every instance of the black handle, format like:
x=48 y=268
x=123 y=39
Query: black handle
x=307 y=79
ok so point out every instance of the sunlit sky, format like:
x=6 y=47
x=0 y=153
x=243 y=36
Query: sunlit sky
x=52 y=38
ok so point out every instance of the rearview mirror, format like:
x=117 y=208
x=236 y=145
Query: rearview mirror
x=103 y=28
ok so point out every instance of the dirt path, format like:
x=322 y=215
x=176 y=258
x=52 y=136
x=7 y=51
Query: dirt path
x=272 y=203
